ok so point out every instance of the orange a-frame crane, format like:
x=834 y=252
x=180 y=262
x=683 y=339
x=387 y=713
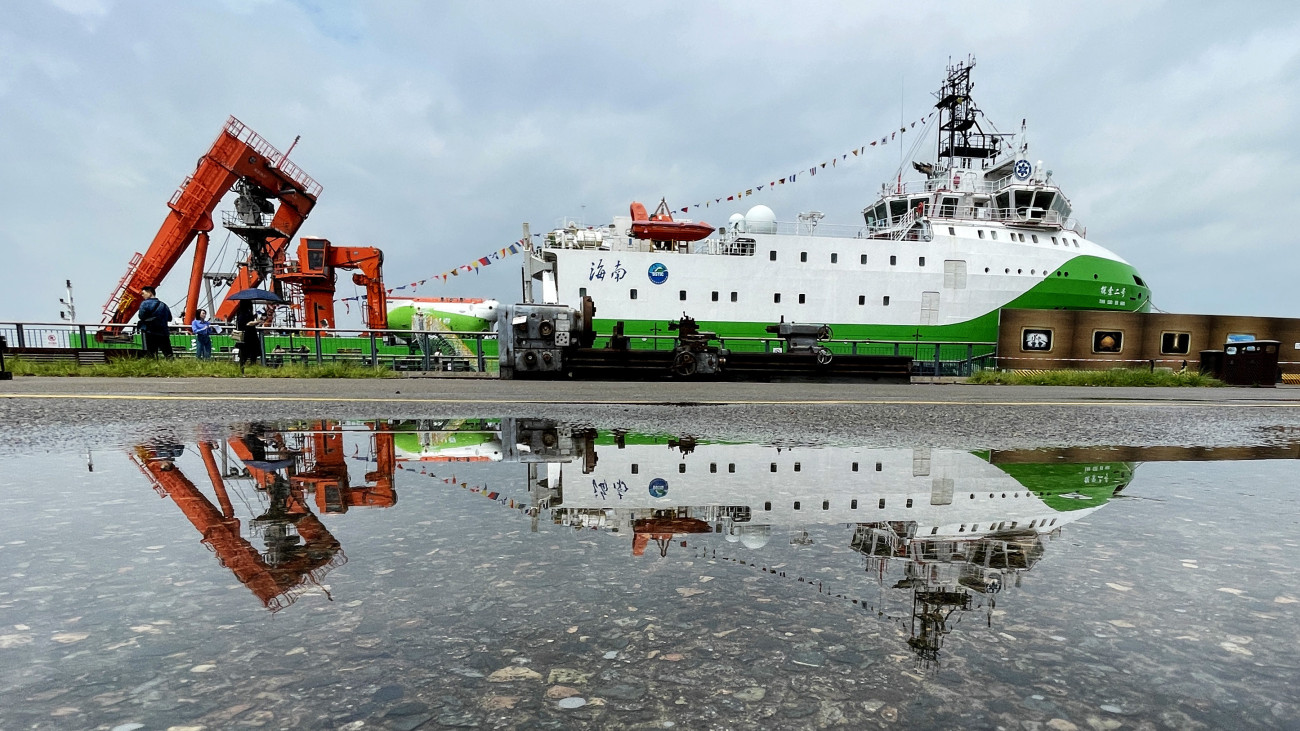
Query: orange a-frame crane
x=274 y=577
x=238 y=156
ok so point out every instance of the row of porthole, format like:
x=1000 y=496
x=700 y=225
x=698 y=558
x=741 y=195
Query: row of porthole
x=826 y=504
x=713 y=467
x=1033 y=272
x=1016 y=236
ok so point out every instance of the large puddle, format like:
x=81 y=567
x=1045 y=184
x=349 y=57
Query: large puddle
x=527 y=573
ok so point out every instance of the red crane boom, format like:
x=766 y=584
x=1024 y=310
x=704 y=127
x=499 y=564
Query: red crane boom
x=238 y=154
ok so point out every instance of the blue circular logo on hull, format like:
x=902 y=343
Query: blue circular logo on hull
x=658 y=487
x=658 y=273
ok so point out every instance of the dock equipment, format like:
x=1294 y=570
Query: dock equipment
x=552 y=341
x=239 y=160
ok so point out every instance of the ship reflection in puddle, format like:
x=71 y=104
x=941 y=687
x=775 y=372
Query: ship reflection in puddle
x=952 y=529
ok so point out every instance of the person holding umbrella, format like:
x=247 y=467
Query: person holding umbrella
x=247 y=322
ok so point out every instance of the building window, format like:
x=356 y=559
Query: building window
x=1107 y=341
x=1175 y=343
x=733 y=296
x=803 y=256
x=801 y=298
x=835 y=258
x=1036 y=339
x=885 y=300
x=893 y=260
x=864 y=259
x=776 y=297
x=862 y=299
x=632 y=294
x=920 y=261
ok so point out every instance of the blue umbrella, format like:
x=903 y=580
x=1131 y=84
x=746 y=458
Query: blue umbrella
x=257 y=295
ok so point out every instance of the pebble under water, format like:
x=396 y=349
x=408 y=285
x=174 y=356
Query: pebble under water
x=518 y=573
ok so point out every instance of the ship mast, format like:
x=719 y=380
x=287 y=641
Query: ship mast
x=961 y=139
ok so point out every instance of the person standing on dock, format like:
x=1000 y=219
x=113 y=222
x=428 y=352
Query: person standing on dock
x=203 y=332
x=155 y=316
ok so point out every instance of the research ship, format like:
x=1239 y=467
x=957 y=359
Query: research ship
x=980 y=228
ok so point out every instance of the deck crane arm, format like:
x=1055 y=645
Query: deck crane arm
x=315 y=273
x=238 y=154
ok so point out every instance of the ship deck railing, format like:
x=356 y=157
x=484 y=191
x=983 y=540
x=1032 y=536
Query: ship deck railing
x=1033 y=219
x=942 y=185
x=460 y=352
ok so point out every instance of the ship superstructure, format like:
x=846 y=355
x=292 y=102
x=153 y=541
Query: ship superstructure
x=983 y=228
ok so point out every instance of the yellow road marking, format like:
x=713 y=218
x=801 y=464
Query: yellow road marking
x=552 y=402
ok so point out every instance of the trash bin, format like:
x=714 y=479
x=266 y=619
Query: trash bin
x=1212 y=363
x=1251 y=363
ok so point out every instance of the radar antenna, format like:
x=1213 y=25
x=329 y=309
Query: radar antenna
x=960 y=136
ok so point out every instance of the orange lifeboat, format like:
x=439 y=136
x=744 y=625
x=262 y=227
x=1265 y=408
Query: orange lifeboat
x=662 y=227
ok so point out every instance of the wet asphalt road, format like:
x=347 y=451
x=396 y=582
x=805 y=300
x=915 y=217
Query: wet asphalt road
x=94 y=412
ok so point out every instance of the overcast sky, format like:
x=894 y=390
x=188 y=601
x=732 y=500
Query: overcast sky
x=437 y=128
